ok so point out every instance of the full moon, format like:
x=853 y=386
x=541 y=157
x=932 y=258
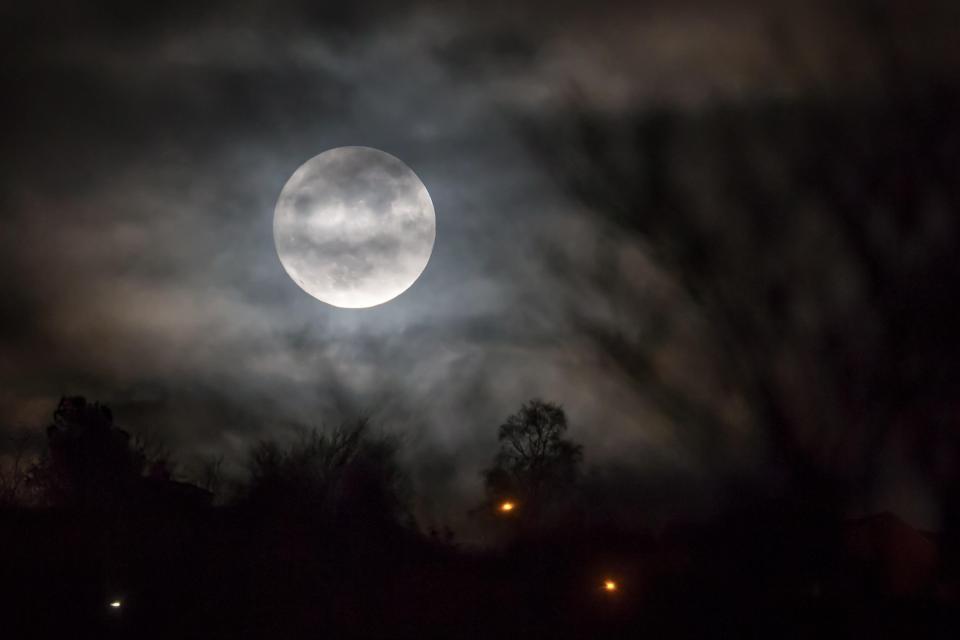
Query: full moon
x=354 y=227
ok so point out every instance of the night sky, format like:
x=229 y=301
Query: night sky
x=143 y=151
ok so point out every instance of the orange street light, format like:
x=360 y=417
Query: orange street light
x=609 y=585
x=507 y=506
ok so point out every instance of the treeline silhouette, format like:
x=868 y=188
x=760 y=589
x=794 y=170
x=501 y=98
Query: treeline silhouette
x=320 y=540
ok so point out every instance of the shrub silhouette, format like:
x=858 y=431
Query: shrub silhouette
x=14 y=470
x=340 y=474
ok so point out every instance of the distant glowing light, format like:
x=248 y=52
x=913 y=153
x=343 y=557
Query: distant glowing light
x=115 y=604
x=507 y=507
x=609 y=586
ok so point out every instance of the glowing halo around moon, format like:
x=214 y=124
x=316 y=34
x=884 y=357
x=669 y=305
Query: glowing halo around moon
x=354 y=227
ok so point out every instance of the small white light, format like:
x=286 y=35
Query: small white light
x=115 y=604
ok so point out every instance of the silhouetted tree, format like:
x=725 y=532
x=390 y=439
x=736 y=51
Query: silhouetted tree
x=14 y=469
x=535 y=462
x=340 y=473
x=89 y=461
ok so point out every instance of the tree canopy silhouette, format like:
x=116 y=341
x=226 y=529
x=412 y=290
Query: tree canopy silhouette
x=341 y=473
x=535 y=461
x=89 y=461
